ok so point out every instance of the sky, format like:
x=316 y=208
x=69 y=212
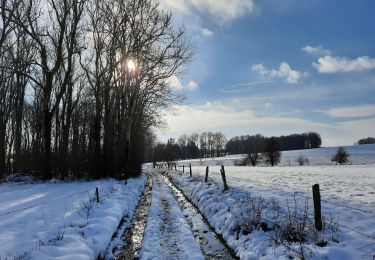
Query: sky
x=276 y=67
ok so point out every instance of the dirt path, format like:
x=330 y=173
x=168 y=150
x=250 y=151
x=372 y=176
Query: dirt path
x=174 y=230
x=167 y=235
x=209 y=242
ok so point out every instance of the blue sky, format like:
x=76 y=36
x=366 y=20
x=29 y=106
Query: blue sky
x=277 y=67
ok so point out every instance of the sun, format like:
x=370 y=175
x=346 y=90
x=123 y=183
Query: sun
x=131 y=65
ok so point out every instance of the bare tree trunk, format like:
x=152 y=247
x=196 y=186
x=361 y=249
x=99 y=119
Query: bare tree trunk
x=2 y=146
x=19 y=107
x=65 y=162
x=97 y=137
x=47 y=127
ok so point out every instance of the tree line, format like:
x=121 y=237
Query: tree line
x=250 y=143
x=210 y=144
x=203 y=145
x=368 y=140
x=82 y=84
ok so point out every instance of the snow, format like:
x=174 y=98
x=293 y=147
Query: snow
x=63 y=220
x=348 y=195
x=359 y=154
x=167 y=235
x=60 y=220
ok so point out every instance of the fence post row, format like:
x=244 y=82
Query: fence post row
x=190 y=170
x=97 y=194
x=222 y=171
x=206 y=178
x=317 y=207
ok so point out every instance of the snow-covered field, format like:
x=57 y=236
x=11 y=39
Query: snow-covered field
x=359 y=154
x=51 y=220
x=348 y=196
x=58 y=220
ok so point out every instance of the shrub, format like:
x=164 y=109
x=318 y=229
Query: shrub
x=341 y=156
x=302 y=160
x=254 y=158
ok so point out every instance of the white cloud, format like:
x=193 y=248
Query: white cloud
x=233 y=118
x=192 y=85
x=175 y=83
x=209 y=116
x=353 y=111
x=283 y=72
x=330 y=64
x=316 y=50
x=206 y=32
x=178 y=5
x=224 y=10
x=268 y=105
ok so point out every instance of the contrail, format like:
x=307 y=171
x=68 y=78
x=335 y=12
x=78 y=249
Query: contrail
x=244 y=90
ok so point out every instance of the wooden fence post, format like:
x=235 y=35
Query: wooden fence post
x=190 y=170
x=97 y=194
x=206 y=178
x=317 y=207
x=175 y=166
x=222 y=171
x=183 y=168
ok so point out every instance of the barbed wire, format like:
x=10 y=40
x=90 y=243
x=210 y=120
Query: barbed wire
x=356 y=231
x=348 y=207
x=304 y=194
x=325 y=201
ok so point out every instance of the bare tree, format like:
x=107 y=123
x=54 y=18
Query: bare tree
x=210 y=143
x=97 y=75
x=271 y=152
x=203 y=144
x=54 y=37
x=219 y=140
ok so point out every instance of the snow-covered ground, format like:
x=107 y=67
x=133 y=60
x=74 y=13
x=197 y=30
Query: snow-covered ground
x=167 y=235
x=348 y=195
x=359 y=154
x=53 y=220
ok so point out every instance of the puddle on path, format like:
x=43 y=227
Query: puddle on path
x=133 y=236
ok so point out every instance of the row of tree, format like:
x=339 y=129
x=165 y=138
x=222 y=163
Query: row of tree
x=209 y=144
x=368 y=140
x=82 y=83
x=250 y=143
x=206 y=144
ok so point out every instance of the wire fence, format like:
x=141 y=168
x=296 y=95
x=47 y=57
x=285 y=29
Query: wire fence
x=306 y=195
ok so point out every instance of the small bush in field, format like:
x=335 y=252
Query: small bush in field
x=254 y=158
x=302 y=160
x=341 y=156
